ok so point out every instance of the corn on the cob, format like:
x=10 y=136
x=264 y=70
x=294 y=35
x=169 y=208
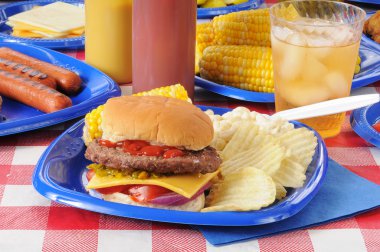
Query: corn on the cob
x=214 y=4
x=205 y=38
x=245 y=67
x=205 y=35
x=92 y=129
x=251 y=27
x=173 y=91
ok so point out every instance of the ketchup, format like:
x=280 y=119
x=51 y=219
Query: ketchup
x=143 y=148
x=107 y=143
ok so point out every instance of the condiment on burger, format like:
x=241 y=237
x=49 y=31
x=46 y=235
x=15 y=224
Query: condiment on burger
x=159 y=149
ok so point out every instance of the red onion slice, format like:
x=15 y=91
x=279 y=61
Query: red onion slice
x=175 y=199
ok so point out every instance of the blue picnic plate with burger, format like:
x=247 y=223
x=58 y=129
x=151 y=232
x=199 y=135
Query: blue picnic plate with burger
x=161 y=192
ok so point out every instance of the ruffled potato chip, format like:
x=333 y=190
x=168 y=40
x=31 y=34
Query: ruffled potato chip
x=290 y=174
x=266 y=157
x=246 y=190
x=301 y=144
x=280 y=191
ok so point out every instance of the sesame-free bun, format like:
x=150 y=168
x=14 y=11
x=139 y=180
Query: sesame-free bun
x=156 y=119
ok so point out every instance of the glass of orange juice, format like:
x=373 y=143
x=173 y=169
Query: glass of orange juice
x=315 y=45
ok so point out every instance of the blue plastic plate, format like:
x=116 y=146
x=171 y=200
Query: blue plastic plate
x=362 y=120
x=96 y=89
x=366 y=1
x=8 y=10
x=212 y=12
x=58 y=176
x=369 y=73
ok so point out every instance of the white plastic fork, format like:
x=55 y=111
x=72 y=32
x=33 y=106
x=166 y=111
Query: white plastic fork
x=329 y=107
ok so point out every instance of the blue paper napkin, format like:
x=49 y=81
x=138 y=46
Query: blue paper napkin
x=342 y=195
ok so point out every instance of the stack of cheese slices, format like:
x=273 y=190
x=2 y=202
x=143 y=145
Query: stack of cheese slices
x=56 y=20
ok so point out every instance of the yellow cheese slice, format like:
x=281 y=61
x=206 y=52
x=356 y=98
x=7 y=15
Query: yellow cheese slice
x=56 y=17
x=184 y=184
x=27 y=27
x=26 y=34
x=38 y=34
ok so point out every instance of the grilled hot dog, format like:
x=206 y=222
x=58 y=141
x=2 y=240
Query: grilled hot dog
x=28 y=72
x=67 y=81
x=32 y=93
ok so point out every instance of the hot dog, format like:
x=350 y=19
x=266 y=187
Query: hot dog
x=67 y=81
x=28 y=72
x=32 y=93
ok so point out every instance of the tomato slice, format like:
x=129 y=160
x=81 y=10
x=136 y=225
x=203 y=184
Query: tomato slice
x=108 y=190
x=90 y=173
x=377 y=126
x=145 y=193
x=112 y=189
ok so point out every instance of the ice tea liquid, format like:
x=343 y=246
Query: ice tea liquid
x=313 y=65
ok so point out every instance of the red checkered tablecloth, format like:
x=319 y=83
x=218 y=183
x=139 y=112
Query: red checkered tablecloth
x=30 y=222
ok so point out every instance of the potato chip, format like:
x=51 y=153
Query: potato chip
x=301 y=144
x=241 y=140
x=266 y=157
x=290 y=174
x=280 y=191
x=249 y=189
x=254 y=148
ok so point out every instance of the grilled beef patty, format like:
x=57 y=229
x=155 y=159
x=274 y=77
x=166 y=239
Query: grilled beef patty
x=203 y=161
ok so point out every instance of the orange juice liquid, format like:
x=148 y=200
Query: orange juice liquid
x=163 y=44
x=109 y=37
x=305 y=75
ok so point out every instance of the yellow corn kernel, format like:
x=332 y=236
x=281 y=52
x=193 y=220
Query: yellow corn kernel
x=173 y=91
x=251 y=27
x=93 y=121
x=245 y=67
x=204 y=38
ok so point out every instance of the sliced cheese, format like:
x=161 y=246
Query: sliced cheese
x=26 y=27
x=26 y=34
x=57 y=17
x=184 y=184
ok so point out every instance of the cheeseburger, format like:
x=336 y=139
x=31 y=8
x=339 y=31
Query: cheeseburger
x=153 y=151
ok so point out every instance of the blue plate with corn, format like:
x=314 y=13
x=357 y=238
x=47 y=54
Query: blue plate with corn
x=234 y=58
x=212 y=8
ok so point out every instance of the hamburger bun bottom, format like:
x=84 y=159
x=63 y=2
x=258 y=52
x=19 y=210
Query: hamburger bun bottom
x=194 y=205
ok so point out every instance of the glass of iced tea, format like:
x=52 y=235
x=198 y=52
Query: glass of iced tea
x=315 y=45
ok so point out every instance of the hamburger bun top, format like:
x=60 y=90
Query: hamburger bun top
x=156 y=119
